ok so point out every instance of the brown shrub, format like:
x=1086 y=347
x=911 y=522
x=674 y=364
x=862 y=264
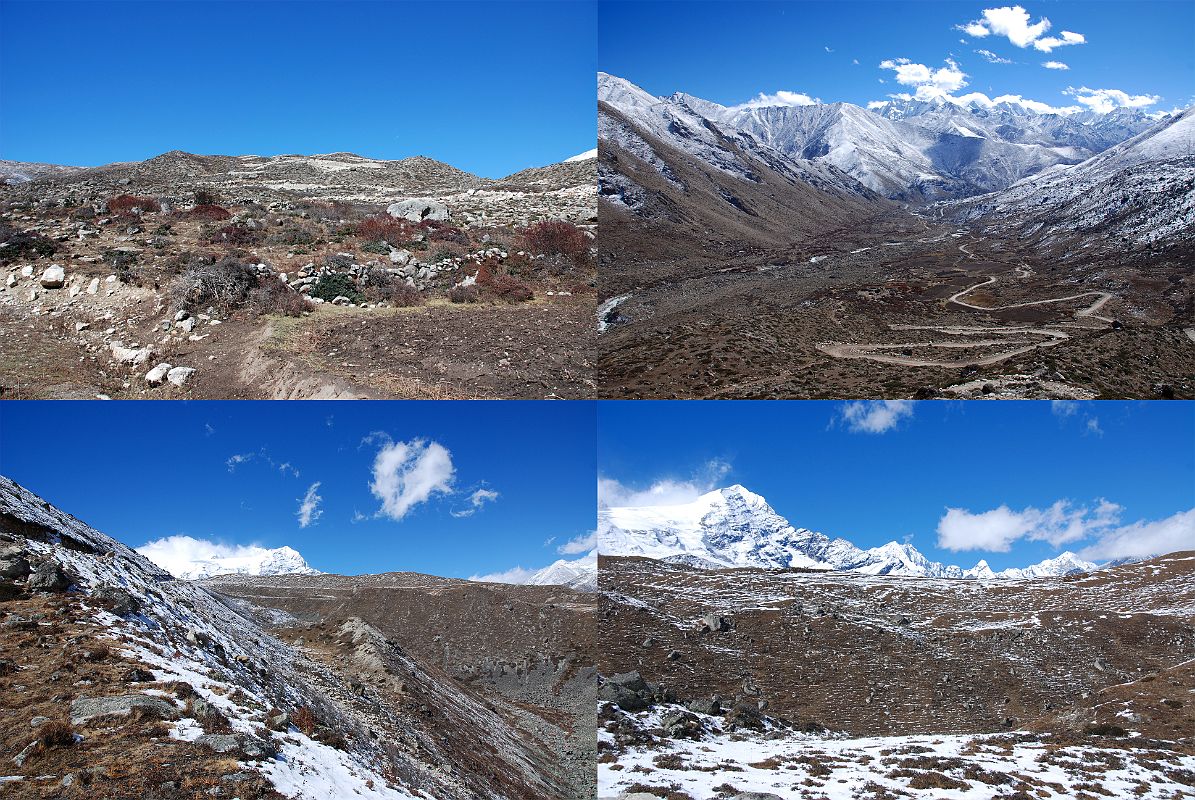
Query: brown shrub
x=504 y=287
x=384 y=228
x=98 y=653
x=272 y=296
x=464 y=294
x=556 y=237
x=236 y=235
x=55 y=733
x=209 y=212
x=226 y=284
x=304 y=719
x=125 y=203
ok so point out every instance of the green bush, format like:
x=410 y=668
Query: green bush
x=329 y=287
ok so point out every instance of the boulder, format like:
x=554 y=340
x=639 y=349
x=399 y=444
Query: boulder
x=628 y=680
x=706 y=705
x=94 y=286
x=714 y=623
x=86 y=708
x=180 y=375
x=621 y=696
x=48 y=577
x=157 y=375
x=129 y=355
x=681 y=725
x=54 y=277
x=418 y=209
x=119 y=601
x=248 y=746
x=13 y=566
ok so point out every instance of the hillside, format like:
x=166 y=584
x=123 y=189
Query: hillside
x=143 y=685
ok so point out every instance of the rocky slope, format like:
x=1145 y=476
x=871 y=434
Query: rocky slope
x=666 y=171
x=734 y=527
x=836 y=684
x=558 y=191
x=1140 y=191
x=151 y=686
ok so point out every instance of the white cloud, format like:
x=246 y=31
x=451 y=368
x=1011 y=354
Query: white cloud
x=175 y=554
x=828 y=50
x=406 y=474
x=855 y=61
x=309 y=510
x=874 y=416
x=779 y=99
x=1093 y=426
x=992 y=58
x=1013 y=22
x=1054 y=65
x=930 y=83
x=874 y=104
x=580 y=544
x=476 y=500
x=287 y=469
x=996 y=530
x=1064 y=408
x=236 y=460
x=512 y=575
x=665 y=491
x=1143 y=539
x=1105 y=100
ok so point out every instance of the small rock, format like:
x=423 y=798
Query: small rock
x=180 y=375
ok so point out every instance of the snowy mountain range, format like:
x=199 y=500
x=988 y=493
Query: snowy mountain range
x=579 y=573
x=905 y=150
x=733 y=527
x=246 y=561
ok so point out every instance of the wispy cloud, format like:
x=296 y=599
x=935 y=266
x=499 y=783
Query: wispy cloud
x=1054 y=65
x=1142 y=539
x=874 y=416
x=309 y=510
x=512 y=575
x=992 y=58
x=997 y=529
x=663 y=491
x=476 y=500
x=579 y=544
x=406 y=474
x=1105 y=100
x=236 y=460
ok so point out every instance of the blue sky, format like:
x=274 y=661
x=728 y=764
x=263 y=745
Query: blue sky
x=731 y=52
x=145 y=470
x=489 y=87
x=874 y=473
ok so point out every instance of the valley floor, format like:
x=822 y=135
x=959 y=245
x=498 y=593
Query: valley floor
x=900 y=313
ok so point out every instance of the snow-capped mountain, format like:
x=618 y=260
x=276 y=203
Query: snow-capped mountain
x=588 y=154
x=578 y=573
x=926 y=150
x=734 y=527
x=1142 y=189
x=247 y=561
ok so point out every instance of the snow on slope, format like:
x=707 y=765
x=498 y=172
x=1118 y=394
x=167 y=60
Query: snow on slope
x=588 y=154
x=734 y=527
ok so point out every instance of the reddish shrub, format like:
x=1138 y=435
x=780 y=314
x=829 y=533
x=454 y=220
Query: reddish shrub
x=272 y=296
x=209 y=213
x=236 y=235
x=448 y=233
x=464 y=294
x=125 y=203
x=304 y=720
x=556 y=238
x=502 y=286
x=385 y=229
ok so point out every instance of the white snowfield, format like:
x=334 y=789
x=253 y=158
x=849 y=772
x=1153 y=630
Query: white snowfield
x=248 y=561
x=734 y=527
x=797 y=765
x=588 y=154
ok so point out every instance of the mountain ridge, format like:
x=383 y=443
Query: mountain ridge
x=734 y=527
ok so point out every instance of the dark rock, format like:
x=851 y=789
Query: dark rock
x=86 y=708
x=49 y=577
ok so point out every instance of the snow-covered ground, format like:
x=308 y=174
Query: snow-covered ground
x=952 y=767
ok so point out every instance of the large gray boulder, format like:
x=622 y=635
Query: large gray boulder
x=418 y=209
x=48 y=577
x=86 y=708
